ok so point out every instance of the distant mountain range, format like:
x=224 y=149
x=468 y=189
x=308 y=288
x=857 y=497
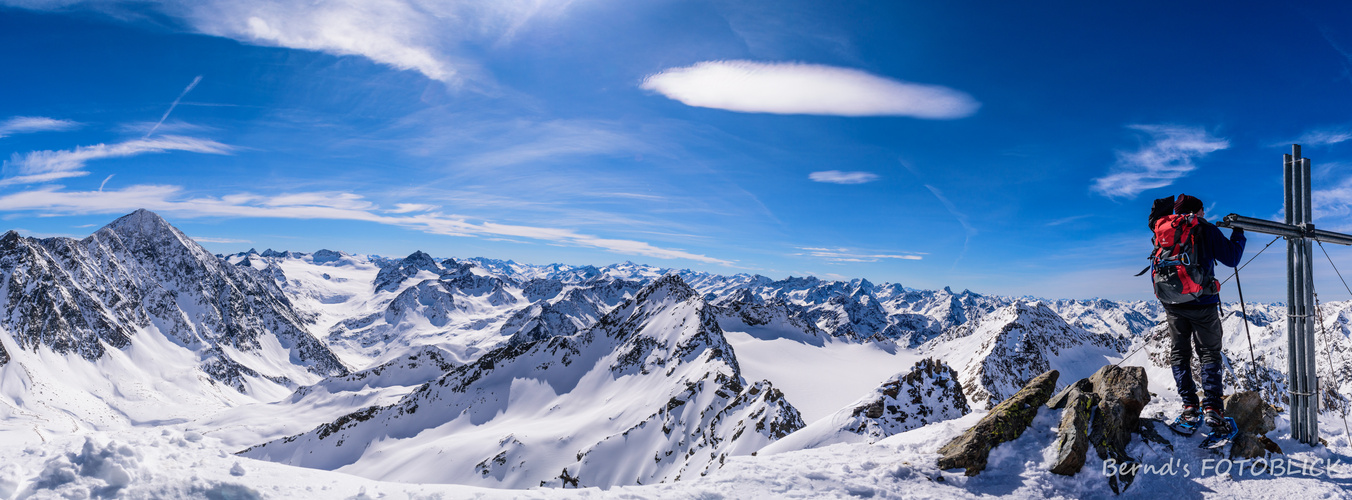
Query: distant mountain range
x=502 y=374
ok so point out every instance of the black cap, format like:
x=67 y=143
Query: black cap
x=1187 y=205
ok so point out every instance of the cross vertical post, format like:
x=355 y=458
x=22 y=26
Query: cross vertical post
x=1302 y=379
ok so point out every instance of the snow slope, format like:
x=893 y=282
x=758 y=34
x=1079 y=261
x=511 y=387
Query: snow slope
x=651 y=393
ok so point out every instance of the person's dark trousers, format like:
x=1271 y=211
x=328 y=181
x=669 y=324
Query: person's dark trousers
x=1199 y=328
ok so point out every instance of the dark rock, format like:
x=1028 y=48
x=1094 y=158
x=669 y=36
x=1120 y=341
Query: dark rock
x=1269 y=445
x=1150 y=434
x=1005 y=422
x=323 y=256
x=1072 y=440
x=1123 y=392
x=1247 y=446
x=1254 y=417
x=1123 y=383
x=1070 y=393
x=1251 y=413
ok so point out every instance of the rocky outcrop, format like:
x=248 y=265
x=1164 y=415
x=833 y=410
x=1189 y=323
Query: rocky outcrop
x=1005 y=422
x=1255 y=418
x=1006 y=348
x=1072 y=438
x=325 y=255
x=1123 y=391
x=929 y=393
x=1104 y=409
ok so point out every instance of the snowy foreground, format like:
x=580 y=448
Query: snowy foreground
x=166 y=462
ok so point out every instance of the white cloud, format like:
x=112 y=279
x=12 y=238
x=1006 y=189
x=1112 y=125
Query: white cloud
x=203 y=239
x=523 y=142
x=1333 y=206
x=417 y=35
x=403 y=208
x=26 y=124
x=838 y=177
x=172 y=127
x=1074 y=218
x=847 y=255
x=1168 y=156
x=54 y=200
x=811 y=89
x=46 y=166
x=1322 y=137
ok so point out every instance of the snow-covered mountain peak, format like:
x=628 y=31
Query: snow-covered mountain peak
x=1009 y=346
x=141 y=221
x=147 y=234
x=389 y=278
x=668 y=287
x=325 y=255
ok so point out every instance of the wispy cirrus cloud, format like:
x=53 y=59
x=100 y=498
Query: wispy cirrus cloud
x=1321 y=137
x=523 y=142
x=47 y=166
x=839 y=177
x=1333 y=206
x=1169 y=155
x=418 y=35
x=842 y=255
x=810 y=89
x=55 y=200
x=403 y=208
x=28 y=124
x=1073 y=218
x=170 y=127
x=206 y=239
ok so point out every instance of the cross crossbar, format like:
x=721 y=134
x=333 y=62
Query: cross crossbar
x=1287 y=230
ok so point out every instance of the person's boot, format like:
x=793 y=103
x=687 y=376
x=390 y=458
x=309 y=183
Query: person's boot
x=1187 y=422
x=1215 y=419
x=1191 y=414
x=1222 y=431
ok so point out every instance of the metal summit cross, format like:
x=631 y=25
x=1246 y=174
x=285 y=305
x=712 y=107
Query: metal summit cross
x=1302 y=380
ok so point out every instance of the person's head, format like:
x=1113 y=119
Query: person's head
x=1188 y=205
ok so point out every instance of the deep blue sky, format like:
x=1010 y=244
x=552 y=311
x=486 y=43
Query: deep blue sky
x=1007 y=149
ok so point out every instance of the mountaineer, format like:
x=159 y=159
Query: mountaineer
x=1187 y=248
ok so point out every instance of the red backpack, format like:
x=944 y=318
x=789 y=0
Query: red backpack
x=1176 y=272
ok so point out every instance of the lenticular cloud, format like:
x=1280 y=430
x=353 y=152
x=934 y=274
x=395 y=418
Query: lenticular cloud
x=809 y=89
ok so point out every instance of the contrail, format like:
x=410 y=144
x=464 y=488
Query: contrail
x=174 y=105
x=962 y=219
x=105 y=182
x=952 y=210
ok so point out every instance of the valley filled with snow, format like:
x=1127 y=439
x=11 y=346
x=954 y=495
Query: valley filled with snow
x=135 y=364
